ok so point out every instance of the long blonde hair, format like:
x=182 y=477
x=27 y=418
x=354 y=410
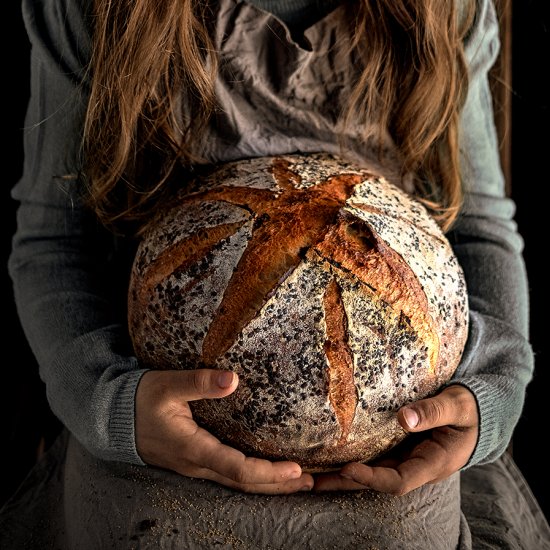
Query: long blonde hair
x=146 y=52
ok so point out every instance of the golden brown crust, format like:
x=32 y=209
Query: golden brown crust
x=355 y=248
x=332 y=294
x=341 y=387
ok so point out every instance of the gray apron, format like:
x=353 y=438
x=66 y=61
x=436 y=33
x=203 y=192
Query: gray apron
x=74 y=501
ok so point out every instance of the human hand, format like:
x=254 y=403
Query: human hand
x=448 y=423
x=168 y=437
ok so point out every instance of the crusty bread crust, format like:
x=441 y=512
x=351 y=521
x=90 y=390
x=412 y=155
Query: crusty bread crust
x=333 y=295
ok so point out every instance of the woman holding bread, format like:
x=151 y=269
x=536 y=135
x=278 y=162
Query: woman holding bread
x=128 y=96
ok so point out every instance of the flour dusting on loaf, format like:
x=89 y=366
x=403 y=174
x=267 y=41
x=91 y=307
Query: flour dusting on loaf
x=334 y=295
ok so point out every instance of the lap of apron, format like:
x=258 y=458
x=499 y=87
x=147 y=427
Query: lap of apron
x=73 y=500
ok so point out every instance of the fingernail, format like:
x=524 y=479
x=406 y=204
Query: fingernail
x=306 y=488
x=347 y=476
x=225 y=379
x=411 y=417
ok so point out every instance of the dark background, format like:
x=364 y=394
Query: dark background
x=23 y=409
x=530 y=185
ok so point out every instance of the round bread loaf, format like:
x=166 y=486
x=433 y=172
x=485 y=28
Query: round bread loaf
x=334 y=295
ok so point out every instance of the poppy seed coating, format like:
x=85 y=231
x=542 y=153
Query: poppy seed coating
x=333 y=294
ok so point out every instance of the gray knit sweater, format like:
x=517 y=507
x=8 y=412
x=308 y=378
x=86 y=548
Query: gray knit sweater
x=70 y=275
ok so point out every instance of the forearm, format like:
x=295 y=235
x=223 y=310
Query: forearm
x=498 y=361
x=65 y=291
x=70 y=320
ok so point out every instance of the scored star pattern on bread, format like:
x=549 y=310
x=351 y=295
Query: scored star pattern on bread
x=293 y=223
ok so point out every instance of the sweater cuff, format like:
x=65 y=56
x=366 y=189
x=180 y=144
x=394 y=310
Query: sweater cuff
x=122 y=421
x=495 y=424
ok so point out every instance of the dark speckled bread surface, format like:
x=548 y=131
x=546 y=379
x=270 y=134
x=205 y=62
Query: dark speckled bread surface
x=333 y=295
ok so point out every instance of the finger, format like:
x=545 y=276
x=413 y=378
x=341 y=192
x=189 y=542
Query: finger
x=302 y=483
x=429 y=462
x=395 y=481
x=201 y=447
x=455 y=406
x=190 y=385
x=389 y=480
x=207 y=383
x=335 y=482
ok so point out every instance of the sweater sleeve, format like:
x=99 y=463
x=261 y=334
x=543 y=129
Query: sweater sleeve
x=498 y=362
x=61 y=260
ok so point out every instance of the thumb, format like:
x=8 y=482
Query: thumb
x=455 y=406
x=187 y=385
x=207 y=384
